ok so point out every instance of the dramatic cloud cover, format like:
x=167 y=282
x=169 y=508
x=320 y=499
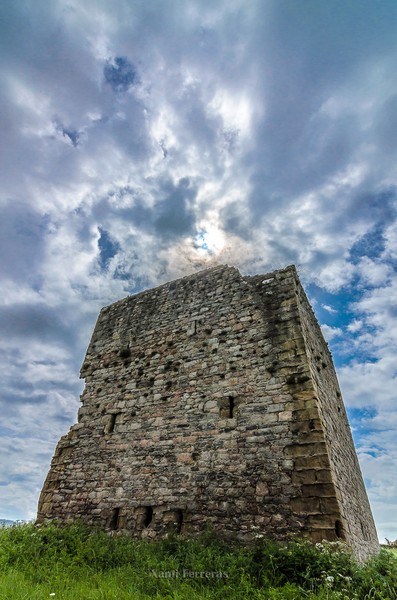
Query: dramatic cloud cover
x=143 y=140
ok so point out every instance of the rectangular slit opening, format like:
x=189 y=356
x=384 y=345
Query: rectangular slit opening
x=231 y=407
x=111 y=422
x=227 y=408
x=114 y=520
x=147 y=516
x=178 y=520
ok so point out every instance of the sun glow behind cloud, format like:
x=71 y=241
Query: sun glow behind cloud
x=234 y=109
x=210 y=240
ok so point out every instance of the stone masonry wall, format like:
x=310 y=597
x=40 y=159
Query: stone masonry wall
x=357 y=523
x=203 y=405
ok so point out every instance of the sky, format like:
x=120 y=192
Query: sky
x=144 y=140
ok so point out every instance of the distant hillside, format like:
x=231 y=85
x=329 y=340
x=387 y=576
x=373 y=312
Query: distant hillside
x=6 y=522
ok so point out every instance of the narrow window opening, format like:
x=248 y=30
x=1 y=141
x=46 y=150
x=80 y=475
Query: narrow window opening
x=178 y=520
x=231 y=407
x=364 y=531
x=192 y=328
x=125 y=352
x=147 y=516
x=111 y=424
x=339 y=530
x=114 y=519
x=227 y=408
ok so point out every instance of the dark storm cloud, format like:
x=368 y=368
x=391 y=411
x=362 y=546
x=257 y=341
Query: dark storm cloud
x=311 y=51
x=136 y=212
x=173 y=215
x=326 y=42
x=385 y=125
x=379 y=207
x=22 y=240
x=47 y=54
x=10 y=399
x=54 y=99
x=26 y=321
x=294 y=160
x=169 y=216
x=45 y=73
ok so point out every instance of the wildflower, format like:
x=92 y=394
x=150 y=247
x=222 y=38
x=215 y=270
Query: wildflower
x=319 y=546
x=329 y=578
x=52 y=594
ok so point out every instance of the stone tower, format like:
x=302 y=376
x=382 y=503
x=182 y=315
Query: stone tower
x=212 y=400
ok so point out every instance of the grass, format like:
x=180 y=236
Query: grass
x=75 y=563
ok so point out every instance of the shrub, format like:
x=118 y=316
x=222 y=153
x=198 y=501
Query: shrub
x=76 y=562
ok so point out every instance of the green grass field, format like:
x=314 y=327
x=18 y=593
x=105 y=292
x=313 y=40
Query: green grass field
x=75 y=563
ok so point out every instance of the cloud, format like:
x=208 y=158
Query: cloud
x=174 y=214
x=29 y=321
x=355 y=326
x=22 y=244
x=329 y=308
x=331 y=332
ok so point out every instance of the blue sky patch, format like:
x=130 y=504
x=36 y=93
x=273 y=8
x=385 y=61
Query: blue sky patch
x=120 y=74
x=72 y=135
x=107 y=248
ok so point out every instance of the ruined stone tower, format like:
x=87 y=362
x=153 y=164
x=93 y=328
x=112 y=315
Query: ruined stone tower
x=212 y=400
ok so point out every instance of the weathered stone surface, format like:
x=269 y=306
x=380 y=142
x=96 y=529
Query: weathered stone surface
x=212 y=400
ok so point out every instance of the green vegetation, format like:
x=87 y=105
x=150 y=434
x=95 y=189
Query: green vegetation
x=75 y=563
